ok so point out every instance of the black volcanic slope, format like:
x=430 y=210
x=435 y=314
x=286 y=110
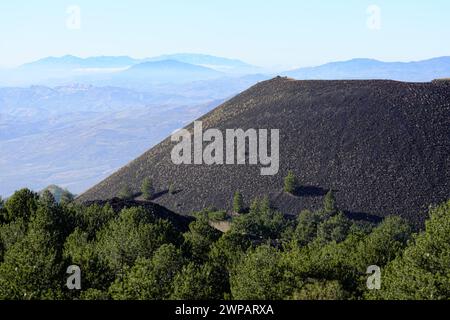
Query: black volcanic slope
x=383 y=146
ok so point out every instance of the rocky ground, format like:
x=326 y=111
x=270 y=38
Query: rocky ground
x=382 y=146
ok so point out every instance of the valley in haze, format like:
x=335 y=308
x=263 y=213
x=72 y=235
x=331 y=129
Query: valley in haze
x=72 y=121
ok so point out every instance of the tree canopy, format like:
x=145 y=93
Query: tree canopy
x=132 y=254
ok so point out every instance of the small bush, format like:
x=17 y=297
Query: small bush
x=238 y=202
x=126 y=193
x=290 y=183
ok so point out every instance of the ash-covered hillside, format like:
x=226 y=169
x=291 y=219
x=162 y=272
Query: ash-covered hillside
x=382 y=146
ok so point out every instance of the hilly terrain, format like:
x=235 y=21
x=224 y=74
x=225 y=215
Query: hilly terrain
x=76 y=136
x=226 y=65
x=69 y=62
x=101 y=70
x=166 y=71
x=381 y=146
x=414 y=71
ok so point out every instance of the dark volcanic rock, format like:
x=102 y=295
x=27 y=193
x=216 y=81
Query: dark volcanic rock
x=382 y=146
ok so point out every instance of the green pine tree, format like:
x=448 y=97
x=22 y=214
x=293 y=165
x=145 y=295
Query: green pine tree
x=290 y=183
x=22 y=204
x=125 y=193
x=147 y=189
x=329 y=202
x=238 y=202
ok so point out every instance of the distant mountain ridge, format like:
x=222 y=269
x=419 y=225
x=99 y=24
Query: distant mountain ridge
x=186 y=67
x=225 y=65
x=171 y=71
x=106 y=70
x=170 y=66
x=70 y=61
x=359 y=69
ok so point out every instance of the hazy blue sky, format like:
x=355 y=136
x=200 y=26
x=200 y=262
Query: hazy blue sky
x=263 y=32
